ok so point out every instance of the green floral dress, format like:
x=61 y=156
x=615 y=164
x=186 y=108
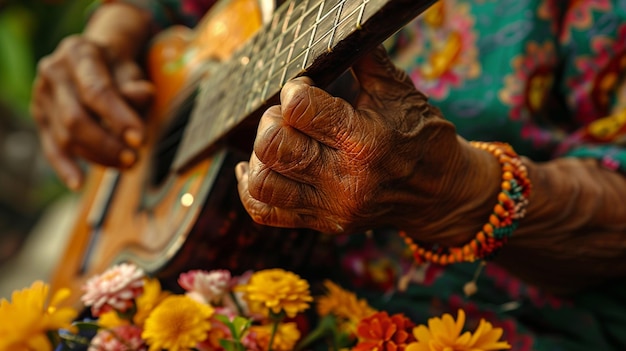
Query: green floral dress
x=546 y=76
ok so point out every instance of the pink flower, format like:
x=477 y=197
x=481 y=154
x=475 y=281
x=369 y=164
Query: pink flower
x=123 y=338
x=204 y=286
x=115 y=289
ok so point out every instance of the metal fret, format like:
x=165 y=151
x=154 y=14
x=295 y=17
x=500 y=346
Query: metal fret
x=320 y=38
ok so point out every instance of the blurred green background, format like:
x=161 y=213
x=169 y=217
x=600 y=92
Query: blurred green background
x=29 y=30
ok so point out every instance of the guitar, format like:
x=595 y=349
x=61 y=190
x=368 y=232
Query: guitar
x=178 y=208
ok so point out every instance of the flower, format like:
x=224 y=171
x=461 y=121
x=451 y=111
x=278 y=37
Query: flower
x=383 y=332
x=344 y=305
x=28 y=317
x=445 y=334
x=146 y=302
x=177 y=323
x=286 y=337
x=204 y=286
x=111 y=319
x=123 y=338
x=277 y=290
x=114 y=289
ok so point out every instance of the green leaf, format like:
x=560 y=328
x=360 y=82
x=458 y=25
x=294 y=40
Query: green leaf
x=87 y=326
x=240 y=325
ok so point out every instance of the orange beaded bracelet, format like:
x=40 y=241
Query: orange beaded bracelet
x=511 y=206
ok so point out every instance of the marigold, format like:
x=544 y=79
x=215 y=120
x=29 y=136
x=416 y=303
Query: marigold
x=177 y=323
x=277 y=290
x=114 y=289
x=445 y=334
x=28 y=317
x=344 y=305
x=152 y=295
x=285 y=339
x=383 y=332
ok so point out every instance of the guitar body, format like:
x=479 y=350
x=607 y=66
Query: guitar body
x=178 y=208
x=187 y=220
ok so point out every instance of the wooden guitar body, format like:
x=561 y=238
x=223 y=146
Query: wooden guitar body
x=173 y=224
x=178 y=208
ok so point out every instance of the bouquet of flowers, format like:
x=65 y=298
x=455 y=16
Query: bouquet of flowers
x=261 y=310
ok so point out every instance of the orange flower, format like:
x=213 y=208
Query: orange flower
x=381 y=332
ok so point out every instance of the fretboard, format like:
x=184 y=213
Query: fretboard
x=317 y=38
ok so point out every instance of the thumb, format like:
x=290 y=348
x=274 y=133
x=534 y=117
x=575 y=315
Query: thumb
x=378 y=76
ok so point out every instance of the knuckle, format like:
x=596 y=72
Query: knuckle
x=73 y=122
x=94 y=90
x=47 y=65
x=261 y=187
x=64 y=141
x=71 y=43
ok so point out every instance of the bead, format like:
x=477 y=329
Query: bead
x=511 y=206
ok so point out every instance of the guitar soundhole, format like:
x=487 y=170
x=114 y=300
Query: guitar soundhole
x=170 y=139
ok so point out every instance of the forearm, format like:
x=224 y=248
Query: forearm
x=574 y=233
x=122 y=28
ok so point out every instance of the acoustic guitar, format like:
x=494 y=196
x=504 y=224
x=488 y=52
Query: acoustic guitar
x=178 y=208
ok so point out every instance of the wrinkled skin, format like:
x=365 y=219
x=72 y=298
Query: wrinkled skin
x=86 y=98
x=320 y=163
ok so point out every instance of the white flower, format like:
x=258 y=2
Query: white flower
x=114 y=289
x=204 y=286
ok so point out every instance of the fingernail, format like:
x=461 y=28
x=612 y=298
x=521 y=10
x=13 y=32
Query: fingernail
x=133 y=137
x=72 y=182
x=127 y=157
x=240 y=170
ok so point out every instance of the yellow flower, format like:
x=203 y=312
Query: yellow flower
x=25 y=320
x=111 y=319
x=344 y=305
x=146 y=302
x=286 y=337
x=177 y=323
x=443 y=334
x=277 y=290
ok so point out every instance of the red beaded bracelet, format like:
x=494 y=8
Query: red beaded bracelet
x=511 y=206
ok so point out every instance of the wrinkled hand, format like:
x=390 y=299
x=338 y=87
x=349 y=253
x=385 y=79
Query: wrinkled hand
x=391 y=160
x=85 y=104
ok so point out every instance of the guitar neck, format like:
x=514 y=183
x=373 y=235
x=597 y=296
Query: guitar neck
x=317 y=38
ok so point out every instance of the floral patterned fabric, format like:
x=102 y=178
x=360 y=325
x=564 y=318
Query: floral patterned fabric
x=546 y=76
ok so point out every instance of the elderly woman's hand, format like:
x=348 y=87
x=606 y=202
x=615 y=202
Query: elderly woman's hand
x=389 y=160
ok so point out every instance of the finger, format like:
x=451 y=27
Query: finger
x=138 y=93
x=98 y=92
x=132 y=86
x=74 y=130
x=63 y=164
x=316 y=113
x=274 y=189
x=288 y=151
x=265 y=214
x=379 y=77
x=39 y=91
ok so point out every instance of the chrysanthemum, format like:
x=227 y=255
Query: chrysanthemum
x=344 y=305
x=445 y=334
x=205 y=286
x=286 y=337
x=383 y=332
x=177 y=323
x=277 y=290
x=114 y=289
x=28 y=317
x=152 y=295
x=123 y=338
